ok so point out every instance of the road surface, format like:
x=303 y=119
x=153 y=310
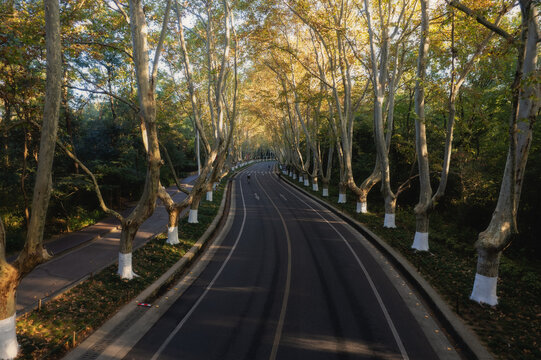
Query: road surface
x=292 y=281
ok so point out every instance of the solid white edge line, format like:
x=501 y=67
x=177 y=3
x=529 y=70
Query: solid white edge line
x=368 y=277
x=209 y=286
x=285 y=299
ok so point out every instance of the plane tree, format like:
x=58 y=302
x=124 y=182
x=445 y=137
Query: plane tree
x=525 y=106
x=33 y=252
x=460 y=68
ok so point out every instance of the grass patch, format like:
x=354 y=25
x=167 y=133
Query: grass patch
x=511 y=330
x=49 y=333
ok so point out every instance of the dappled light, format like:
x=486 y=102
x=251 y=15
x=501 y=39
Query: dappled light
x=139 y=137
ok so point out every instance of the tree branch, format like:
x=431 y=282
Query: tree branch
x=88 y=172
x=121 y=10
x=104 y=45
x=172 y=168
x=160 y=45
x=481 y=20
x=103 y=92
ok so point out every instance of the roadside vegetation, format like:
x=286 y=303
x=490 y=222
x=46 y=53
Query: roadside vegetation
x=422 y=99
x=65 y=321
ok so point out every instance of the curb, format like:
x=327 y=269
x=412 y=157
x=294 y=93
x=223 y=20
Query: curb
x=101 y=338
x=467 y=340
x=36 y=304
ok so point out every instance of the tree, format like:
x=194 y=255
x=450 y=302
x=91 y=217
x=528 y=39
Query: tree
x=526 y=101
x=331 y=35
x=146 y=86
x=381 y=81
x=33 y=252
x=221 y=109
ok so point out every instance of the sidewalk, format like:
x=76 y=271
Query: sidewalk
x=81 y=253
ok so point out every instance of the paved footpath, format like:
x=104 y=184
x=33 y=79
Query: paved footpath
x=81 y=253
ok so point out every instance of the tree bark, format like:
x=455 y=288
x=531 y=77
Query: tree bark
x=146 y=84
x=425 y=193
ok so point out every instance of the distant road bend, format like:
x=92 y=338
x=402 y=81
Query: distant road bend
x=292 y=281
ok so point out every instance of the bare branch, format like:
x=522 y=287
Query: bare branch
x=72 y=156
x=103 y=92
x=120 y=10
x=160 y=45
x=172 y=168
x=104 y=45
x=483 y=21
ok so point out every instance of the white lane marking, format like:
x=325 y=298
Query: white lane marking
x=283 y=197
x=285 y=299
x=209 y=286
x=368 y=277
x=256 y=196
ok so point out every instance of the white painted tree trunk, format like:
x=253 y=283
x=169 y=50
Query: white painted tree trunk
x=341 y=198
x=484 y=289
x=389 y=221
x=125 y=269
x=362 y=207
x=301 y=179
x=306 y=182
x=420 y=241
x=209 y=195
x=325 y=192
x=315 y=187
x=8 y=338
x=192 y=216
x=172 y=235
x=294 y=176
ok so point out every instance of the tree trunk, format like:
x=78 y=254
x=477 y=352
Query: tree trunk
x=420 y=241
x=379 y=79
x=366 y=186
x=325 y=180
x=192 y=216
x=172 y=226
x=526 y=97
x=146 y=83
x=9 y=280
x=198 y=152
x=342 y=188
x=125 y=269
x=33 y=252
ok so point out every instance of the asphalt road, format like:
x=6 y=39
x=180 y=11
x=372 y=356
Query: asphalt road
x=291 y=281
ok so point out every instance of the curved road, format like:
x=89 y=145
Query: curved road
x=292 y=281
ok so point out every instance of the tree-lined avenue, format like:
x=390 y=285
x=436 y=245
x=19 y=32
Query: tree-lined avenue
x=289 y=281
